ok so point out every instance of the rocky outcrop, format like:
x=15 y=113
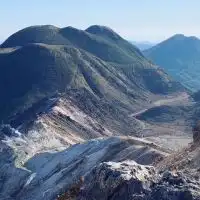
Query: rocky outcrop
x=115 y=181
x=131 y=181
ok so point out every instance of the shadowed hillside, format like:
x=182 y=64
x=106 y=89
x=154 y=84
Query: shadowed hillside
x=180 y=57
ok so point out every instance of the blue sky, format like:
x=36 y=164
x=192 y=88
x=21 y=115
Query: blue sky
x=139 y=20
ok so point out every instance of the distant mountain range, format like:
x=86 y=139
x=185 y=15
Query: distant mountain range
x=143 y=45
x=180 y=57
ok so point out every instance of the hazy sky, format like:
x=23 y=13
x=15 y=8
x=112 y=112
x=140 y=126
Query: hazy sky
x=139 y=20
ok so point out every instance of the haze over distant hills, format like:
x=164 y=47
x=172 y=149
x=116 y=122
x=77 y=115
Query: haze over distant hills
x=180 y=57
x=143 y=45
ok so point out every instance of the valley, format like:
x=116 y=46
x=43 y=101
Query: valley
x=177 y=99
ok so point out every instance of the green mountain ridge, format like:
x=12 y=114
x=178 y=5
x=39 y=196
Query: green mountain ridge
x=41 y=61
x=119 y=50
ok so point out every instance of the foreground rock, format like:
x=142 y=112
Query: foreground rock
x=130 y=181
x=113 y=180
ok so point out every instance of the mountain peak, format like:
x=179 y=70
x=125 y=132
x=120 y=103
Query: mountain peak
x=47 y=34
x=182 y=37
x=103 y=30
x=178 y=35
x=99 y=28
x=71 y=28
